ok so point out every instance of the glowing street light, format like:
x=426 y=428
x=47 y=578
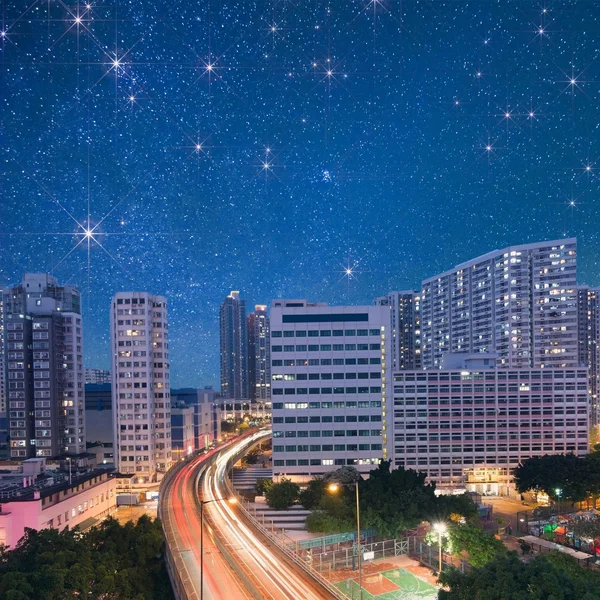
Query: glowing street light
x=334 y=487
x=441 y=529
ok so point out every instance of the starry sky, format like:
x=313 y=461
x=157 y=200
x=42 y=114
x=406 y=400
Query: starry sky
x=190 y=148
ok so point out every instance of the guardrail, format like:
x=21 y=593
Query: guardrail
x=176 y=568
x=227 y=555
x=279 y=542
x=175 y=565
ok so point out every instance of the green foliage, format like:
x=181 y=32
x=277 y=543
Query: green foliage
x=262 y=486
x=343 y=476
x=228 y=427
x=577 y=478
x=253 y=456
x=310 y=497
x=461 y=504
x=109 y=562
x=393 y=501
x=479 y=545
x=283 y=494
x=321 y=521
x=549 y=576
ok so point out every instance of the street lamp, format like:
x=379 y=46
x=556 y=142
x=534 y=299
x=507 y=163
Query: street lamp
x=441 y=530
x=231 y=500
x=334 y=487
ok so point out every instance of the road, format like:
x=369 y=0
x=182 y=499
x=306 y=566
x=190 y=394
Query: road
x=270 y=574
x=259 y=570
x=181 y=519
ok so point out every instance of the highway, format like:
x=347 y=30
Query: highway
x=255 y=567
x=271 y=574
x=181 y=520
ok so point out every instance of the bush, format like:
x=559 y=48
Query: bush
x=310 y=497
x=481 y=547
x=262 y=486
x=320 y=521
x=282 y=494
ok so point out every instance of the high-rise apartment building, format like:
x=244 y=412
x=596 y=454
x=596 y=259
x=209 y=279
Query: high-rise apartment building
x=3 y=404
x=589 y=345
x=44 y=367
x=329 y=372
x=405 y=328
x=259 y=354
x=520 y=302
x=471 y=423
x=234 y=347
x=140 y=385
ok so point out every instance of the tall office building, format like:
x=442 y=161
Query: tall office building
x=44 y=365
x=405 y=328
x=329 y=398
x=259 y=354
x=234 y=348
x=140 y=385
x=589 y=345
x=520 y=302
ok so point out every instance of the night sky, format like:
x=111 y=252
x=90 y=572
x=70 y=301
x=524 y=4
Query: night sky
x=266 y=146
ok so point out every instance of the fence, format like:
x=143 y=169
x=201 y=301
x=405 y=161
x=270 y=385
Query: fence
x=430 y=556
x=345 y=558
x=281 y=542
x=544 y=524
x=332 y=540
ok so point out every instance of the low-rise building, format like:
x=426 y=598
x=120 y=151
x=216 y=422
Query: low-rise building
x=207 y=413
x=471 y=423
x=36 y=498
x=182 y=430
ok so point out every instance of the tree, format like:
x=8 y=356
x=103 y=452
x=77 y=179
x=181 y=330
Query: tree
x=462 y=504
x=310 y=497
x=251 y=458
x=282 y=494
x=479 y=545
x=320 y=521
x=111 y=562
x=227 y=427
x=546 y=577
x=343 y=476
x=393 y=501
x=262 y=486
x=561 y=476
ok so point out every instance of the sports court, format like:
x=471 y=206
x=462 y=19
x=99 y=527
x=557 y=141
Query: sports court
x=400 y=579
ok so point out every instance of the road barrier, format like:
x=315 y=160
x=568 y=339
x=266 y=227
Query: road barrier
x=280 y=541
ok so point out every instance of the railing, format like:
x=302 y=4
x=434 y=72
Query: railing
x=175 y=565
x=176 y=568
x=429 y=556
x=281 y=542
x=346 y=557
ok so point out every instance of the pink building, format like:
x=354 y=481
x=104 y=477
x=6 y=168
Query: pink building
x=26 y=501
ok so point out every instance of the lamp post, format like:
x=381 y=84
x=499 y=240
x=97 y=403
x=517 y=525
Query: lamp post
x=231 y=500
x=558 y=492
x=441 y=530
x=334 y=487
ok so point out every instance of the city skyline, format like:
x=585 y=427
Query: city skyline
x=288 y=150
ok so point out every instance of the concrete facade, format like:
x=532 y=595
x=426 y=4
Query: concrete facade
x=141 y=385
